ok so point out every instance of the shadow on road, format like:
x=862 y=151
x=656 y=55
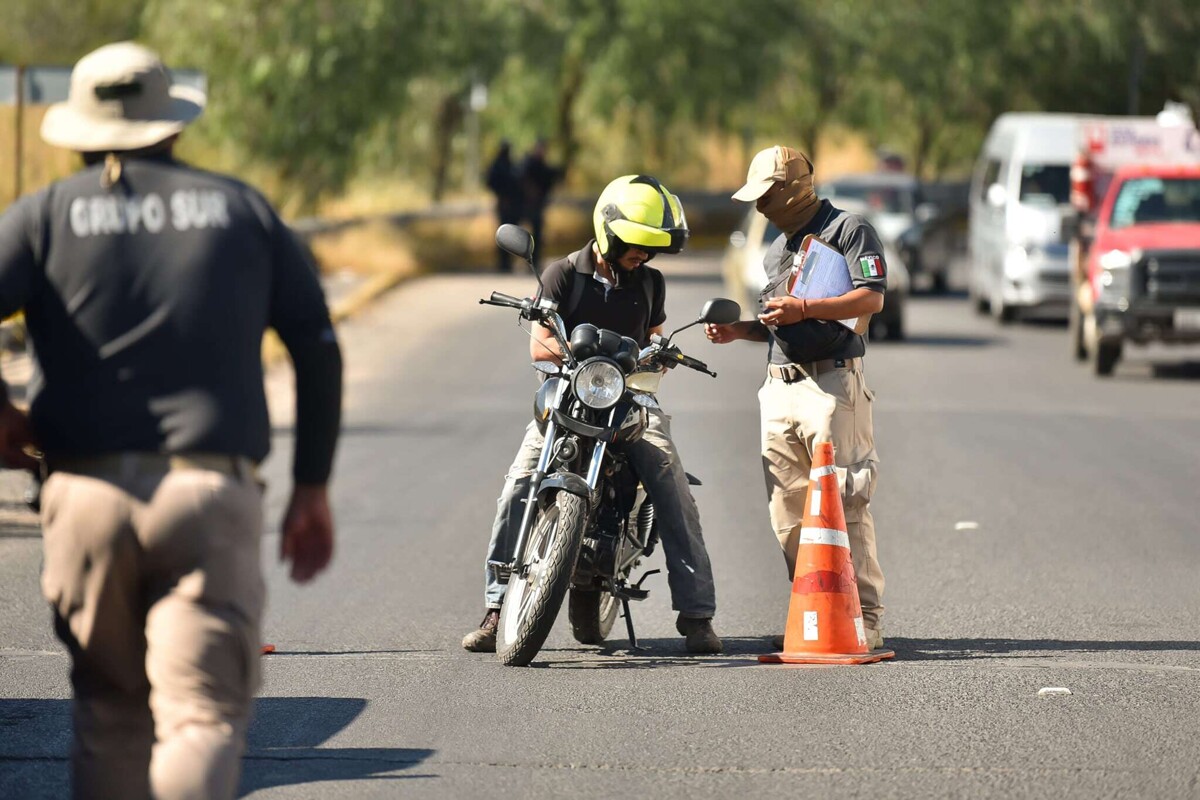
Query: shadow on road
x=653 y=653
x=940 y=341
x=282 y=747
x=1185 y=371
x=965 y=649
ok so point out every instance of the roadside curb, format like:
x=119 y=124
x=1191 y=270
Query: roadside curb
x=371 y=290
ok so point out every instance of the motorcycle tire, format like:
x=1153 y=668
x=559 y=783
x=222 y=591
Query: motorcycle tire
x=592 y=614
x=532 y=603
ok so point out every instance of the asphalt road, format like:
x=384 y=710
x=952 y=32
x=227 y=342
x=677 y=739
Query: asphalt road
x=1078 y=570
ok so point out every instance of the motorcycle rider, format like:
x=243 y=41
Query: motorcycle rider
x=608 y=283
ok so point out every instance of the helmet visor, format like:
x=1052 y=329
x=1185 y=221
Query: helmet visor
x=644 y=237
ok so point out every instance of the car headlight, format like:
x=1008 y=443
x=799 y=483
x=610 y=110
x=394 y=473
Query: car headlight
x=1115 y=259
x=1016 y=263
x=598 y=383
x=1114 y=274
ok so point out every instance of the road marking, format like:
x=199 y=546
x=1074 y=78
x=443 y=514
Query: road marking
x=1051 y=691
x=966 y=525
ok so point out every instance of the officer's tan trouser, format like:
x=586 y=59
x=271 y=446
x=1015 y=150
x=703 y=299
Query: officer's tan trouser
x=154 y=574
x=834 y=407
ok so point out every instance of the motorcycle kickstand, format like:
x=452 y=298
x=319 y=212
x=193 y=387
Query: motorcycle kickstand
x=637 y=587
x=633 y=642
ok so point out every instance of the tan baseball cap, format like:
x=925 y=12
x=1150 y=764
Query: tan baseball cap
x=121 y=98
x=768 y=166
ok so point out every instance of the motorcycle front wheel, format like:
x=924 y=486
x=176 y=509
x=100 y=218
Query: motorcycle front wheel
x=532 y=602
x=592 y=613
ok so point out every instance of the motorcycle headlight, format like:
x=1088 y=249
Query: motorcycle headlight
x=598 y=383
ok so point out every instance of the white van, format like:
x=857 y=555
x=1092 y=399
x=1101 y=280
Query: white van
x=1020 y=193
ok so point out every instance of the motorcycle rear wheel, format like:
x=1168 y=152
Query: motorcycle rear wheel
x=532 y=603
x=592 y=613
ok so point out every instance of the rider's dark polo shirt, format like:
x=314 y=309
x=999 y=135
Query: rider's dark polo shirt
x=621 y=308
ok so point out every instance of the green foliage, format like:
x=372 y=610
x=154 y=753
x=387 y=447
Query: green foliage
x=60 y=31
x=323 y=91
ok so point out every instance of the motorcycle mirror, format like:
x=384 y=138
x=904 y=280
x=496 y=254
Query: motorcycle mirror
x=519 y=242
x=718 y=311
x=516 y=240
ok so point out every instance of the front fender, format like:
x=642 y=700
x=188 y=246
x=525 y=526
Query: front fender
x=563 y=482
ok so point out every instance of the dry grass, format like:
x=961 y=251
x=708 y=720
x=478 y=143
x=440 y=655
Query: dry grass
x=41 y=164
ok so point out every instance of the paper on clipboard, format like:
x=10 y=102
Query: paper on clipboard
x=819 y=271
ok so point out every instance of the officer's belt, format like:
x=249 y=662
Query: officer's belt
x=793 y=373
x=136 y=463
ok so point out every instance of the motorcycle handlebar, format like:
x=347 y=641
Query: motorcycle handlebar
x=672 y=356
x=696 y=364
x=499 y=298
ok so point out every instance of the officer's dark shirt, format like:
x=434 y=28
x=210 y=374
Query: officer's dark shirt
x=815 y=340
x=621 y=308
x=146 y=304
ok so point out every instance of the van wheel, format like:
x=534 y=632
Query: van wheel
x=1003 y=312
x=1105 y=356
x=978 y=301
x=1075 y=333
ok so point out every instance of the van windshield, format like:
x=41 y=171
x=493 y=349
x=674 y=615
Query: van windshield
x=1150 y=201
x=1045 y=184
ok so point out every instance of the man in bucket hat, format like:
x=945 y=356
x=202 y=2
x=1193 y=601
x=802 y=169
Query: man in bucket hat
x=147 y=286
x=815 y=390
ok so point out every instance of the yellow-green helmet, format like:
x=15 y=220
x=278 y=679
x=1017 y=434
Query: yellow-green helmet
x=636 y=210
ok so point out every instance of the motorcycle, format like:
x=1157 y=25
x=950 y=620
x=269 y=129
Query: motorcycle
x=588 y=523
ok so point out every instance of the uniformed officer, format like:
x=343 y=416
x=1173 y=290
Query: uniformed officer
x=147 y=286
x=815 y=390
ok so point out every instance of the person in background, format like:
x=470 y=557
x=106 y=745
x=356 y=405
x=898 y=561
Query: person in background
x=147 y=286
x=503 y=182
x=538 y=178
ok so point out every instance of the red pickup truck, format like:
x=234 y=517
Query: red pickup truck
x=1142 y=264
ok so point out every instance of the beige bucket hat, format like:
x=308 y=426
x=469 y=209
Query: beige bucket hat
x=121 y=98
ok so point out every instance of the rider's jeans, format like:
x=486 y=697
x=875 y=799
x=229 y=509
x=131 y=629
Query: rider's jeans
x=657 y=463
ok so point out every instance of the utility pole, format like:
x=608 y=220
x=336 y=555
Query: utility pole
x=477 y=101
x=1137 y=64
x=20 y=146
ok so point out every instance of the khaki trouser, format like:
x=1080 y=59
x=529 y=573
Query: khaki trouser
x=153 y=570
x=834 y=407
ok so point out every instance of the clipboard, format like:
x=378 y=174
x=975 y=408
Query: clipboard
x=820 y=270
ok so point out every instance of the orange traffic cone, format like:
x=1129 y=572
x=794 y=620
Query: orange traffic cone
x=824 y=624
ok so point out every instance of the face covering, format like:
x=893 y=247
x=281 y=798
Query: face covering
x=791 y=203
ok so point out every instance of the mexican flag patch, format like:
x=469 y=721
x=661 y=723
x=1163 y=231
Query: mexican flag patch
x=872 y=266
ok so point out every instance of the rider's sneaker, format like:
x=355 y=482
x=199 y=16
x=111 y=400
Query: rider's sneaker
x=483 y=639
x=700 y=636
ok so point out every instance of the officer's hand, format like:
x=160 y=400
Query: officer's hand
x=307 y=540
x=15 y=434
x=782 y=311
x=722 y=334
